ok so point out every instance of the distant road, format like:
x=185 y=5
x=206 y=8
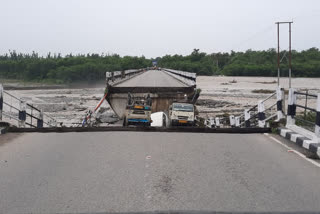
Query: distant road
x=152 y=78
x=144 y=171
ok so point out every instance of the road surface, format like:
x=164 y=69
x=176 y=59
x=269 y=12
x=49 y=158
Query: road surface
x=136 y=171
x=152 y=78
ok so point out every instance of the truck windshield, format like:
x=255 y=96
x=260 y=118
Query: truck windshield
x=182 y=107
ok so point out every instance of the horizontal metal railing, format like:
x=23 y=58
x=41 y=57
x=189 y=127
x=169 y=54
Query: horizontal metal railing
x=26 y=113
x=303 y=121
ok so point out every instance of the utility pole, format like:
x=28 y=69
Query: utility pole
x=290 y=66
x=278 y=54
x=290 y=54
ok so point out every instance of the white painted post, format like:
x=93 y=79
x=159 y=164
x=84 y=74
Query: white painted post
x=280 y=99
x=247 y=118
x=232 y=120
x=237 y=121
x=1 y=101
x=317 y=127
x=217 y=122
x=261 y=114
x=22 y=114
x=211 y=122
x=292 y=97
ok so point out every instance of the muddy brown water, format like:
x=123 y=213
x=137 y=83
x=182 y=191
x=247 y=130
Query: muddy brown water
x=219 y=94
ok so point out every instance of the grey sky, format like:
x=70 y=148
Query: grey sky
x=154 y=28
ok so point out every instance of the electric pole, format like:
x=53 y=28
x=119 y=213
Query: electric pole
x=290 y=66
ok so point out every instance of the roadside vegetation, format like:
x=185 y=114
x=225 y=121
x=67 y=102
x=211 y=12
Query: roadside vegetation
x=55 y=68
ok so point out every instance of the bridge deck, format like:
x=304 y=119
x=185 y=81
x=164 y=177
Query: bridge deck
x=140 y=171
x=152 y=78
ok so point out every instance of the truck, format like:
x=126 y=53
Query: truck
x=182 y=114
x=138 y=111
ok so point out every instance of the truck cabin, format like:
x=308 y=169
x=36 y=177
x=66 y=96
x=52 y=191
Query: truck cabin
x=185 y=107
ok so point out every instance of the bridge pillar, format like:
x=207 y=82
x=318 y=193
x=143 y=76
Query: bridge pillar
x=1 y=101
x=261 y=115
x=292 y=98
x=247 y=118
x=317 y=127
x=22 y=114
x=280 y=102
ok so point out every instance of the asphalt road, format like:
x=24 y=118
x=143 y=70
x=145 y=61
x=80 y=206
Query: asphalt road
x=136 y=171
x=152 y=78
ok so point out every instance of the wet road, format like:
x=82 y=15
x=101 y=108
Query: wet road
x=132 y=172
x=152 y=78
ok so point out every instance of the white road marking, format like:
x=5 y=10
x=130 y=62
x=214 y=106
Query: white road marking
x=294 y=151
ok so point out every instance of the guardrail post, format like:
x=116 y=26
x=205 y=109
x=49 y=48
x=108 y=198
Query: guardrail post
x=217 y=122
x=317 y=127
x=247 y=118
x=40 y=120
x=22 y=114
x=1 y=101
x=237 y=121
x=292 y=97
x=280 y=100
x=232 y=120
x=211 y=122
x=261 y=114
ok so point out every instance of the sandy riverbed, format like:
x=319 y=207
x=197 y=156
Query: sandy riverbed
x=219 y=95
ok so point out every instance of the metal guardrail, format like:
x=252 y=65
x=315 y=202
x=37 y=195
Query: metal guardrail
x=313 y=124
x=257 y=115
x=186 y=77
x=25 y=114
x=292 y=117
x=116 y=76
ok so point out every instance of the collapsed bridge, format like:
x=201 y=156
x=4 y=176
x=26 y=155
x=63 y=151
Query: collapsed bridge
x=163 y=85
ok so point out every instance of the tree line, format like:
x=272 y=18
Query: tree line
x=250 y=63
x=72 y=68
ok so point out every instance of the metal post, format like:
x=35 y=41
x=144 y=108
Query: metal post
x=22 y=114
x=289 y=54
x=247 y=118
x=217 y=122
x=317 y=127
x=261 y=114
x=278 y=31
x=306 y=105
x=232 y=120
x=280 y=98
x=1 y=101
x=40 y=120
x=292 y=97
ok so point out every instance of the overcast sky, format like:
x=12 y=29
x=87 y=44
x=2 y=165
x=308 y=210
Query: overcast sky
x=155 y=28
